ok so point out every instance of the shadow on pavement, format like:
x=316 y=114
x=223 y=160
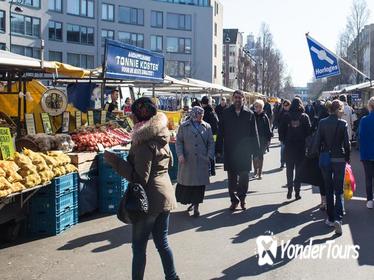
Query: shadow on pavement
x=250 y=266
x=115 y=237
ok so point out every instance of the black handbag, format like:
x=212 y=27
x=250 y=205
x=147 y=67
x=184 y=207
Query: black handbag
x=133 y=205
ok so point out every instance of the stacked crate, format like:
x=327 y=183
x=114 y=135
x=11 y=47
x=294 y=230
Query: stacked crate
x=54 y=209
x=112 y=185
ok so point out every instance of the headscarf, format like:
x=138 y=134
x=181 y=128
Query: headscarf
x=143 y=109
x=195 y=112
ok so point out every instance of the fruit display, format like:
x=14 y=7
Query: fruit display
x=29 y=169
x=87 y=139
x=10 y=180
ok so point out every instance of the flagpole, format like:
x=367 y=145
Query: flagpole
x=340 y=58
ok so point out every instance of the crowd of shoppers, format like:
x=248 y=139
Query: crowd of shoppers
x=315 y=147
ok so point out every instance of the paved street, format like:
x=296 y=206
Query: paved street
x=218 y=245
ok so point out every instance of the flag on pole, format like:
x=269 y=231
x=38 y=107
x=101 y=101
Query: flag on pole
x=325 y=62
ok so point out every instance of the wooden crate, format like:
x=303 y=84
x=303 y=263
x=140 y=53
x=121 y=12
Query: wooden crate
x=79 y=158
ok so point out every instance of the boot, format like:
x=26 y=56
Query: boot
x=289 y=193
x=255 y=167
x=196 y=212
x=260 y=165
x=297 y=194
x=322 y=206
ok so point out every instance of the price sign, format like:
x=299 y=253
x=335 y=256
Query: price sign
x=30 y=124
x=6 y=143
x=47 y=126
x=90 y=116
x=103 y=117
x=78 y=119
x=65 y=122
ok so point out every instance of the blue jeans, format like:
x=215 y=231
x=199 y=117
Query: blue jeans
x=333 y=177
x=283 y=161
x=157 y=225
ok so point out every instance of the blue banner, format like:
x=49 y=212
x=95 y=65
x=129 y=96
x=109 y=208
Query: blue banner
x=127 y=62
x=325 y=63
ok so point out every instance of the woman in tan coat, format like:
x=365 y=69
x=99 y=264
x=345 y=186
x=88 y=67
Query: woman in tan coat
x=195 y=149
x=147 y=164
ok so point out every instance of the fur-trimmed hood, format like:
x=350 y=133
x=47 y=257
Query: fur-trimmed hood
x=154 y=129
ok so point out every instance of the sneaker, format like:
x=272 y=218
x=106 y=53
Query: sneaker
x=338 y=227
x=328 y=223
x=370 y=204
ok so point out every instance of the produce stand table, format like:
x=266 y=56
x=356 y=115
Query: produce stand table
x=12 y=211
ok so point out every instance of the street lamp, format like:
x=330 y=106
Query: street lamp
x=256 y=67
x=16 y=9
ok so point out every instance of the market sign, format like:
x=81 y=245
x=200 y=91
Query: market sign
x=47 y=125
x=325 y=63
x=123 y=61
x=30 y=124
x=6 y=143
x=356 y=96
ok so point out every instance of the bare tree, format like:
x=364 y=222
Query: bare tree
x=356 y=21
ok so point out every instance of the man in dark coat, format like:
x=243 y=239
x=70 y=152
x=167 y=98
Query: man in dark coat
x=236 y=137
x=209 y=115
x=221 y=107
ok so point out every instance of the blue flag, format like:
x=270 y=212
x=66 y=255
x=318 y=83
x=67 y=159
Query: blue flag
x=325 y=63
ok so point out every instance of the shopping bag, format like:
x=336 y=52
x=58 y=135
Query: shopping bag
x=349 y=183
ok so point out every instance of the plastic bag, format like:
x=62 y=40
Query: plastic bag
x=349 y=183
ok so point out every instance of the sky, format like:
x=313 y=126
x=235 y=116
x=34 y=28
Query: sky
x=288 y=21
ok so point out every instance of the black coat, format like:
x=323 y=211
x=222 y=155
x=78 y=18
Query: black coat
x=211 y=118
x=219 y=111
x=268 y=110
x=264 y=132
x=236 y=137
x=294 y=139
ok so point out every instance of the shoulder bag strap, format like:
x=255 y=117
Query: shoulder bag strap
x=257 y=134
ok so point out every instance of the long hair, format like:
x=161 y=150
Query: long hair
x=297 y=106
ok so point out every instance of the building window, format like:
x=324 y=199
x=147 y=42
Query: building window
x=134 y=39
x=178 y=45
x=106 y=34
x=202 y=3
x=107 y=12
x=157 y=19
x=215 y=29
x=30 y=3
x=2 y=21
x=55 y=5
x=215 y=72
x=179 y=21
x=25 y=25
x=55 y=30
x=2 y=46
x=178 y=69
x=26 y=51
x=131 y=15
x=80 y=34
x=156 y=43
x=55 y=56
x=84 y=8
x=232 y=69
x=81 y=60
x=215 y=50
x=216 y=8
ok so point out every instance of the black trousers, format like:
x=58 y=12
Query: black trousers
x=293 y=168
x=238 y=185
x=369 y=176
